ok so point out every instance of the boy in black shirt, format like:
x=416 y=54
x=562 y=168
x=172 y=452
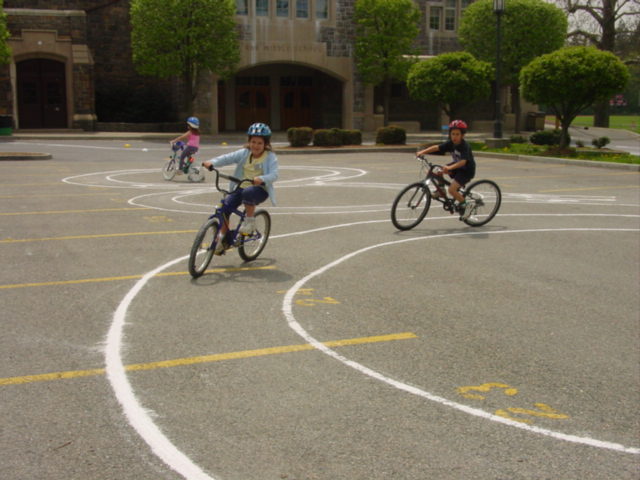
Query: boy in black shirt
x=462 y=168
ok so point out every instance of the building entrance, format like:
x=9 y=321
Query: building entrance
x=42 y=100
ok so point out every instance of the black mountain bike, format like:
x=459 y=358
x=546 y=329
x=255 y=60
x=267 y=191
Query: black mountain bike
x=412 y=204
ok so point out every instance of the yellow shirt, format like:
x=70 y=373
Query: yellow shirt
x=254 y=166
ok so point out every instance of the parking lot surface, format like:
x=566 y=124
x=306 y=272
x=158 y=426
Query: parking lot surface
x=347 y=350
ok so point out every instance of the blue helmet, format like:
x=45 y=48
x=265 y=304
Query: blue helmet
x=259 y=130
x=193 y=122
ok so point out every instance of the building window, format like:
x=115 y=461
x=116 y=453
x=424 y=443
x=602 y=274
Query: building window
x=262 y=8
x=302 y=8
x=435 y=18
x=450 y=15
x=282 y=8
x=242 y=7
x=322 y=9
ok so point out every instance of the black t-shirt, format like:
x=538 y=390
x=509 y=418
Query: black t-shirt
x=462 y=151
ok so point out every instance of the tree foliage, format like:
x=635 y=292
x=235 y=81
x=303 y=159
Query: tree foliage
x=385 y=32
x=451 y=79
x=529 y=28
x=5 y=50
x=571 y=79
x=184 y=38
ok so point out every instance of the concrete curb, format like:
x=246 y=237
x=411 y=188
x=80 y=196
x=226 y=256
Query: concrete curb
x=7 y=156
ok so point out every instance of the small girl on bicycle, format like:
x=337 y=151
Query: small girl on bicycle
x=192 y=138
x=257 y=162
x=463 y=166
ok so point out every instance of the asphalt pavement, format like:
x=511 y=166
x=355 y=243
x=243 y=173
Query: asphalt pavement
x=347 y=350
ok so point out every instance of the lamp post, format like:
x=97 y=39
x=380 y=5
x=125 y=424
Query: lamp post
x=498 y=9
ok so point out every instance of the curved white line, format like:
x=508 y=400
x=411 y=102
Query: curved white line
x=135 y=413
x=295 y=326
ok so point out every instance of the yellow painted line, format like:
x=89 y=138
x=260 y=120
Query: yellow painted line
x=48 y=195
x=128 y=277
x=100 y=235
x=613 y=187
x=218 y=357
x=53 y=212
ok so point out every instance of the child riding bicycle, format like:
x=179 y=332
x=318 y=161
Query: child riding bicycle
x=257 y=162
x=463 y=166
x=192 y=138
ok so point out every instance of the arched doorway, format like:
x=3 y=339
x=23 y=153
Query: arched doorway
x=283 y=95
x=42 y=99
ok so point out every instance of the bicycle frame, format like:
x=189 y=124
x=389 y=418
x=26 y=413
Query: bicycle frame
x=438 y=183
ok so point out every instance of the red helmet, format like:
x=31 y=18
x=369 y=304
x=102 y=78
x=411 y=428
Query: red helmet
x=459 y=124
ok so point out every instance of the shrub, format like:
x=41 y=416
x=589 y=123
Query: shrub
x=600 y=142
x=299 y=136
x=351 y=137
x=391 y=135
x=517 y=139
x=327 y=137
x=545 y=137
x=579 y=143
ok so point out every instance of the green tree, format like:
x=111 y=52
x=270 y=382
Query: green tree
x=5 y=50
x=570 y=79
x=530 y=28
x=453 y=80
x=385 y=32
x=607 y=24
x=184 y=38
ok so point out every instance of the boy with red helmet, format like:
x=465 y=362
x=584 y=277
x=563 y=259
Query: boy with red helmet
x=463 y=166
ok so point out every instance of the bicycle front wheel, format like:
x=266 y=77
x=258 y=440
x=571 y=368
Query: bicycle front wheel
x=485 y=198
x=410 y=206
x=169 y=169
x=203 y=247
x=252 y=245
x=196 y=174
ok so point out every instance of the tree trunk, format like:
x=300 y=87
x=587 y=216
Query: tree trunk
x=386 y=95
x=601 y=114
x=564 y=134
x=517 y=107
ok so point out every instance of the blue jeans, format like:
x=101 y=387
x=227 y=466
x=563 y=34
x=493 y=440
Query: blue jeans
x=253 y=195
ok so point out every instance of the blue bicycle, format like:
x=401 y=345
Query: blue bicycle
x=249 y=246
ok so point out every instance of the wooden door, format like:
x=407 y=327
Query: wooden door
x=252 y=105
x=295 y=107
x=42 y=99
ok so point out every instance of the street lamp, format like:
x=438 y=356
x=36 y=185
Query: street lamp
x=498 y=9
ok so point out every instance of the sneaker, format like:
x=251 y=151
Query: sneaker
x=248 y=226
x=466 y=213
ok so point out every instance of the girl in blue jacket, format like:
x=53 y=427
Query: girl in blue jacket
x=257 y=162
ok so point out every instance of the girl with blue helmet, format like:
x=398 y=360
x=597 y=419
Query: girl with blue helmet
x=257 y=162
x=192 y=139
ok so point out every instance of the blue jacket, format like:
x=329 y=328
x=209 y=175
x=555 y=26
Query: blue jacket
x=240 y=157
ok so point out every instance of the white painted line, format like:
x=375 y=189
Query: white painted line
x=287 y=309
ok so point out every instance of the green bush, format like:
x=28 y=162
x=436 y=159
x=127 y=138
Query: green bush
x=327 y=137
x=600 y=142
x=299 y=136
x=518 y=139
x=391 y=135
x=351 y=137
x=545 y=137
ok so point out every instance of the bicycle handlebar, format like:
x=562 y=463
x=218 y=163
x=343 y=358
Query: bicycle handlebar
x=219 y=174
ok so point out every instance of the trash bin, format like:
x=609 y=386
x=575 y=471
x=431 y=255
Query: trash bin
x=6 y=124
x=535 y=121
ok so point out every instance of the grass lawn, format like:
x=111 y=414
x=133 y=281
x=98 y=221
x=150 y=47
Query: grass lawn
x=623 y=122
x=586 y=153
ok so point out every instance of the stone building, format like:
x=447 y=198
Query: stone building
x=296 y=66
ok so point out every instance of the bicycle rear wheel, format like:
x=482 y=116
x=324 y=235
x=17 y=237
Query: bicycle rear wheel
x=203 y=247
x=485 y=197
x=410 y=206
x=169 y=169
x=252 y=245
